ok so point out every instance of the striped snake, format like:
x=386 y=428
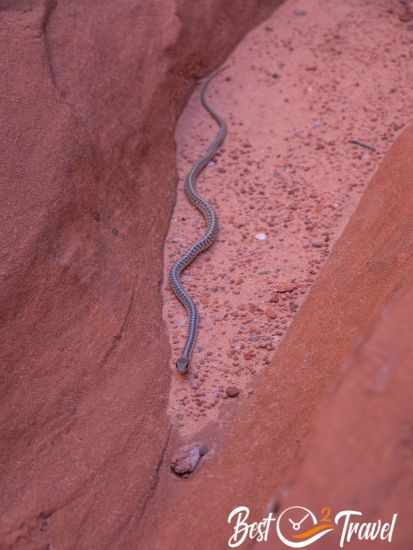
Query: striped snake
x=204 y=242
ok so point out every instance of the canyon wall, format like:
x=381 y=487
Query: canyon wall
x=90 y=98
x=91 y=92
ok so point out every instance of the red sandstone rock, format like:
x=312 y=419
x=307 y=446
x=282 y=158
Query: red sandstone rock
x=84 y=440
x=90 y=96
x=363 y=437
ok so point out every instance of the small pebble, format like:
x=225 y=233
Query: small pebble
x=261 y=236
x=232 y=391
x=271 y=312
x=187 y=459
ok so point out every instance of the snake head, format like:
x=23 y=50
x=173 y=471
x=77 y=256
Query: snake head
x=182 y=365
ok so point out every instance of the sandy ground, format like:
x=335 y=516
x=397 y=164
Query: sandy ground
x=297 y=90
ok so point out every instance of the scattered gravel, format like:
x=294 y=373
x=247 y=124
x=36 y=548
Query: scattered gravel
x=287 y=171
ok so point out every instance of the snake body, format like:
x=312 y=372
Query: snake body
x=205 y=241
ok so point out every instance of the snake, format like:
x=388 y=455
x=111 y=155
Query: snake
x=209 y=237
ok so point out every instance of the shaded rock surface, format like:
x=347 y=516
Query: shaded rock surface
x=360 y=457
x=90 y=96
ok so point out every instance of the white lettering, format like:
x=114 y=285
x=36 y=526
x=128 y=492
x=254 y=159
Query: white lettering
x=345 y=534
x=365 y=530
x=243 y=529
x=241 y=526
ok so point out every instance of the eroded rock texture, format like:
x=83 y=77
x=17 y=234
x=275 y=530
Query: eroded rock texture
x=90 y=95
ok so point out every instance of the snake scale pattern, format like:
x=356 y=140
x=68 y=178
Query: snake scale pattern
x=206 y=240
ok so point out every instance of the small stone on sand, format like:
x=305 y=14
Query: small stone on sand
x=232 y=391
